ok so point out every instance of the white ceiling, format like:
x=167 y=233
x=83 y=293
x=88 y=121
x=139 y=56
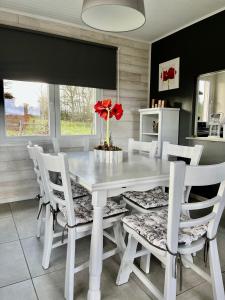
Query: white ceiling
x=163 y=16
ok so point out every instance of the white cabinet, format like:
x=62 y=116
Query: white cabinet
x=168 y=125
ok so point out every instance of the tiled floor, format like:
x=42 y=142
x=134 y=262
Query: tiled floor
x=22 y=277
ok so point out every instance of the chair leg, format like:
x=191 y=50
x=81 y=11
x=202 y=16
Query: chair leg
x=170 y=280
x=39 y=221
x=187 y=257
x=70 y=264
x=215 y=270
x=128 y=257
x=48 y=238
x=145 y=262
x=118 y=234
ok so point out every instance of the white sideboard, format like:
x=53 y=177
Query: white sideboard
x=168 y=125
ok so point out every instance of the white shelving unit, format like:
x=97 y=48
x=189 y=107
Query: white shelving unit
x=168 y=120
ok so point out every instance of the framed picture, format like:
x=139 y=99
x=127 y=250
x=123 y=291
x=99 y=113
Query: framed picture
x=169 y=74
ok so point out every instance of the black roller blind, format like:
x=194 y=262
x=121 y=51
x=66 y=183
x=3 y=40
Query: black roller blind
x=34 y=56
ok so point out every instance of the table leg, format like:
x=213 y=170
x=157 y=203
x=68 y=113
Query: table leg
x=95 y=269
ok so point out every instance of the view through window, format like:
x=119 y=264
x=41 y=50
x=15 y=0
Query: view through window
x=27 y=113
x=76 y=110
x=26 y=108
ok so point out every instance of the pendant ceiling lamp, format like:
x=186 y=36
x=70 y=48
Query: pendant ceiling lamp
x=114 y=15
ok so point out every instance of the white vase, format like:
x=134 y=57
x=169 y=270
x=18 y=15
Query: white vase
x=109 y=157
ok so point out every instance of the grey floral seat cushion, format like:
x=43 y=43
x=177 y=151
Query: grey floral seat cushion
x=153 y=227
x=78 y=190
x=150 y=199
x=84 y=210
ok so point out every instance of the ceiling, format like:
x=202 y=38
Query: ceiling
x=163 y=16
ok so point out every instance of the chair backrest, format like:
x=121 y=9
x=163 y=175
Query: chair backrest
x=59 y=164
x=149 y=147
x=84 y=144
x=181 y=176
x=33 y=156
x=193 y=153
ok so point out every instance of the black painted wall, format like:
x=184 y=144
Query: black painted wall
x=201 y=48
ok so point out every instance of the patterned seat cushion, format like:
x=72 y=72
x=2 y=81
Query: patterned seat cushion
x=84 y=210
x=78 y=190
x=153 y=227
x=150 y=199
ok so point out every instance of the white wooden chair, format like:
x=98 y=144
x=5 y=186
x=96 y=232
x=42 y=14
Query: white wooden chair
x=77 y=190
x=74 y=216
x=149 y=147
x=84 y=144
x=41 y=195
x=78 y=193
x=157 y=197
x=179 y=235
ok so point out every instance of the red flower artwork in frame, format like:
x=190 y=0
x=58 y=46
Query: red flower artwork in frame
x=169 y=73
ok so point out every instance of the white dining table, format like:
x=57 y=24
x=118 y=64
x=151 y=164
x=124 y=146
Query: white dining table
x=136 y=172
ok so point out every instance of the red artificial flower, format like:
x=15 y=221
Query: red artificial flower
x=117 y=111
x=171 y=73
x=107 y=103
x=102 y=108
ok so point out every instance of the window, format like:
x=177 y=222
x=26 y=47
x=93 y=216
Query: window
x=76 y=110
x=34 y=109
x=26 y=108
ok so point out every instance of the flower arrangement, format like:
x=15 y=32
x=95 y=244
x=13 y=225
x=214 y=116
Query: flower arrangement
x=106 y=110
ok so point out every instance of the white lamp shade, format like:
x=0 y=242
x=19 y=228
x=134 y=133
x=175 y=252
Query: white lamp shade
x=114 y=15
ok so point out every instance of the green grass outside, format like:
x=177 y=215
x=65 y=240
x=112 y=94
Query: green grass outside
x=39 y=127
x=76 y=128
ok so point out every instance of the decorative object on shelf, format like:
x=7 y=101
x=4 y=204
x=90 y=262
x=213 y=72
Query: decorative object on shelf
x=215 y=124
x=169 y=73
x=107 y=152
x=114 y=15
x=158 y=103
x=153 y=103
x=155 y=126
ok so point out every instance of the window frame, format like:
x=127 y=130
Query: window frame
x=54 y=121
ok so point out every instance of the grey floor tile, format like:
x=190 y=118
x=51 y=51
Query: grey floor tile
x=221 y=247
x=25 y=217
x=200 y=292
x=8 y=231
x=51 y=286
x=24 y=206
x=110 y=291
x=12 y=264
x=5 y=211
x=20 y=291
x=157 y=275
x=33 y=250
